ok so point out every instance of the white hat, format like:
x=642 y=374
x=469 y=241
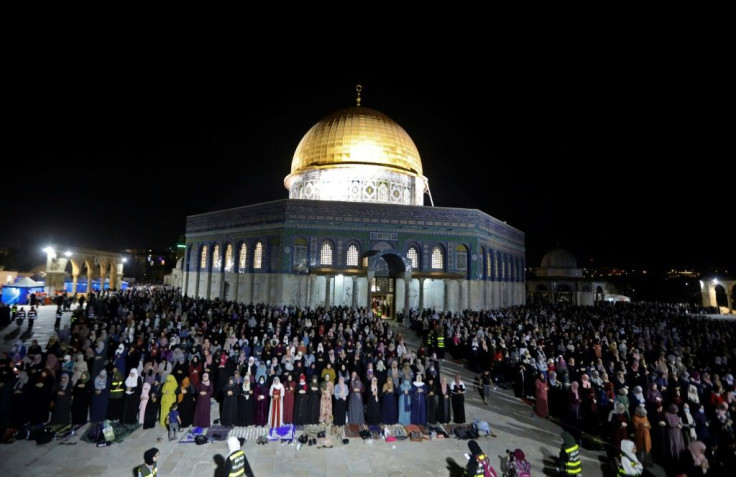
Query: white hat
x=233 y=444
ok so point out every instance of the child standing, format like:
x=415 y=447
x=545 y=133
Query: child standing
x=174 y=421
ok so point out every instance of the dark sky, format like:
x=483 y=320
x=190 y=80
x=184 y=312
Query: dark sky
x=618 y=156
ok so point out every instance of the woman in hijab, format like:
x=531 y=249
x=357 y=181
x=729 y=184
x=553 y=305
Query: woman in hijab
x=618 y=424
x=674 y=434
x=419 y=401
x=289 y=396
x=145 y=396
x=80 y=400
x=325 y=404
x=186 y=399
x=168 y=397
x=152 y=410
x=131 y=398
x=458 y=400
x=389 y=410
x=61 y=413
x=276 y=409
x=642 y=435
x=40 y=397
x=373 y=405
x=340 y=408
x=540 y=402
x=314 y=395
x=355 y=404
x=202 y=407
x=694 y=462
x=261 y=402
x=444 y=401
x=404 y=402
x=229 y=405
x=246 y=412
x=629 y=463
x=20 y=400
x=195 y=371
x=301 y=402
x=99 y=398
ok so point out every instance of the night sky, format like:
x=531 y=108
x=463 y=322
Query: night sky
x=618 y=157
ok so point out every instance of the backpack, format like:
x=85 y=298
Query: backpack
x=461 y=432
x=94 y=434
x=522 y=468
x=482 y=428
x=488 y=471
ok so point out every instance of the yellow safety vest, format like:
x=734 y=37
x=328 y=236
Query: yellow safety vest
x=238 y=463
x=440 y=341
x=572 y=466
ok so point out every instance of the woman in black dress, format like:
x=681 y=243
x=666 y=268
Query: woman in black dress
x=187 y=396
x=61 y=413
x=373 y=404
x=301 y=402
x=229 y=403
x=246 y=411
x=458 y=400
x=150 y=418
x=315 y=397
x=132 y=397
x=80 y=400
x=432 y=399
x=40 y=394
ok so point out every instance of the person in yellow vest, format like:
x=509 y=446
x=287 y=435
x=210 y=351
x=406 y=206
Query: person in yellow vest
x=479 y=465
x=629 y=464
x=149 y=467
x=569 y=455
x=236 y=464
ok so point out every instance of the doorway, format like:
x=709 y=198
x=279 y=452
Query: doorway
x=383 y=296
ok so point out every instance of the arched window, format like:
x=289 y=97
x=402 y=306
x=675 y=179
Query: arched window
x=300 y=255
x=489 y=270
x=258 y=257
x=216 y=262
x=229 y=259
x=243 y=258
x=351 y=260
x=203 y=258
x=461 y=257
x=437 y=260
x=325 y=254
x=412 y=255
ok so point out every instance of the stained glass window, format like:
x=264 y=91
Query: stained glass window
x=414 y=257
x=258 y=257
x=437 y=262
x=352 y=256
x=243 y=259
x=325 y=254
x=216 y=263
x=203 y=258
x=229 y=260
x=461 y=257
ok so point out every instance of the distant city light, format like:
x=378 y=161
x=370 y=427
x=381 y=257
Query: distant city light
x=68 y=253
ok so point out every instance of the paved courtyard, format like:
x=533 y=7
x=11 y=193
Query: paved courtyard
x=510 y=419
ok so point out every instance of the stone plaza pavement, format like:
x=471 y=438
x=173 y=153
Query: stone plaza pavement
x=509 y=417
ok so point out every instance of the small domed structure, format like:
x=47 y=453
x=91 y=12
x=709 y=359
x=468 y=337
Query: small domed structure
x=559 y=258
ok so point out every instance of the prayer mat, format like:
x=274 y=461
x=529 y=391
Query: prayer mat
x=216 y=432
x=121 y=432
x=376 y=431
x=283 y=433
x=395 y=430
x=250 y=433
x=188 y=437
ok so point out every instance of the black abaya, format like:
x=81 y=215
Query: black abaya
x=150 y=417
x=80 y=403
x=458 y=403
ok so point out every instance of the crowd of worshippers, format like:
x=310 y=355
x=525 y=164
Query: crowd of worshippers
x=130 y=356
x=658 y=374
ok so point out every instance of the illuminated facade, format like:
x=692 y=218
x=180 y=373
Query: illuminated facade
x=355 y=232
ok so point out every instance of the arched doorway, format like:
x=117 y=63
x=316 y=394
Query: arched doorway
x=541 y=294
x=721 y=298
x=383 y=267
x=563 y=294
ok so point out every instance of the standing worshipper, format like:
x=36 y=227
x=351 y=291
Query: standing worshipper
x=40 y=395
x=100 y=397
x=676 y=444
x=325 y=404
x=276 y=409
x=168 y=397
x=432 y=399
x=405 y=402
x=444 y=402
x=80 y=400
x=541 y=404
x=315 y=399
x=21 y=400
x=61 y=414
x=131 y=398
x=153 y=408
x=204 y=402
x=301 y=402
x=389 y=411
x=229 y=406
x=642 y=436
x=419 y=401
x=246 y=410
x=261 y=402
x=340 y=408
x=117 y=389
x=355 y=405
x=373 y=404
x=458 y=400
x=145 y=396
x=289 y=397
x=186 y=399
x=694 y=461
x=619 y=425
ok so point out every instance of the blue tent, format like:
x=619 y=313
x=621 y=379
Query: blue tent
x=18 y=292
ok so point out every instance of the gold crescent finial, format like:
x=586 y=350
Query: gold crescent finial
x=358 y=89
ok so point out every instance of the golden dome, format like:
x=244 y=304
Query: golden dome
x=356 y=136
